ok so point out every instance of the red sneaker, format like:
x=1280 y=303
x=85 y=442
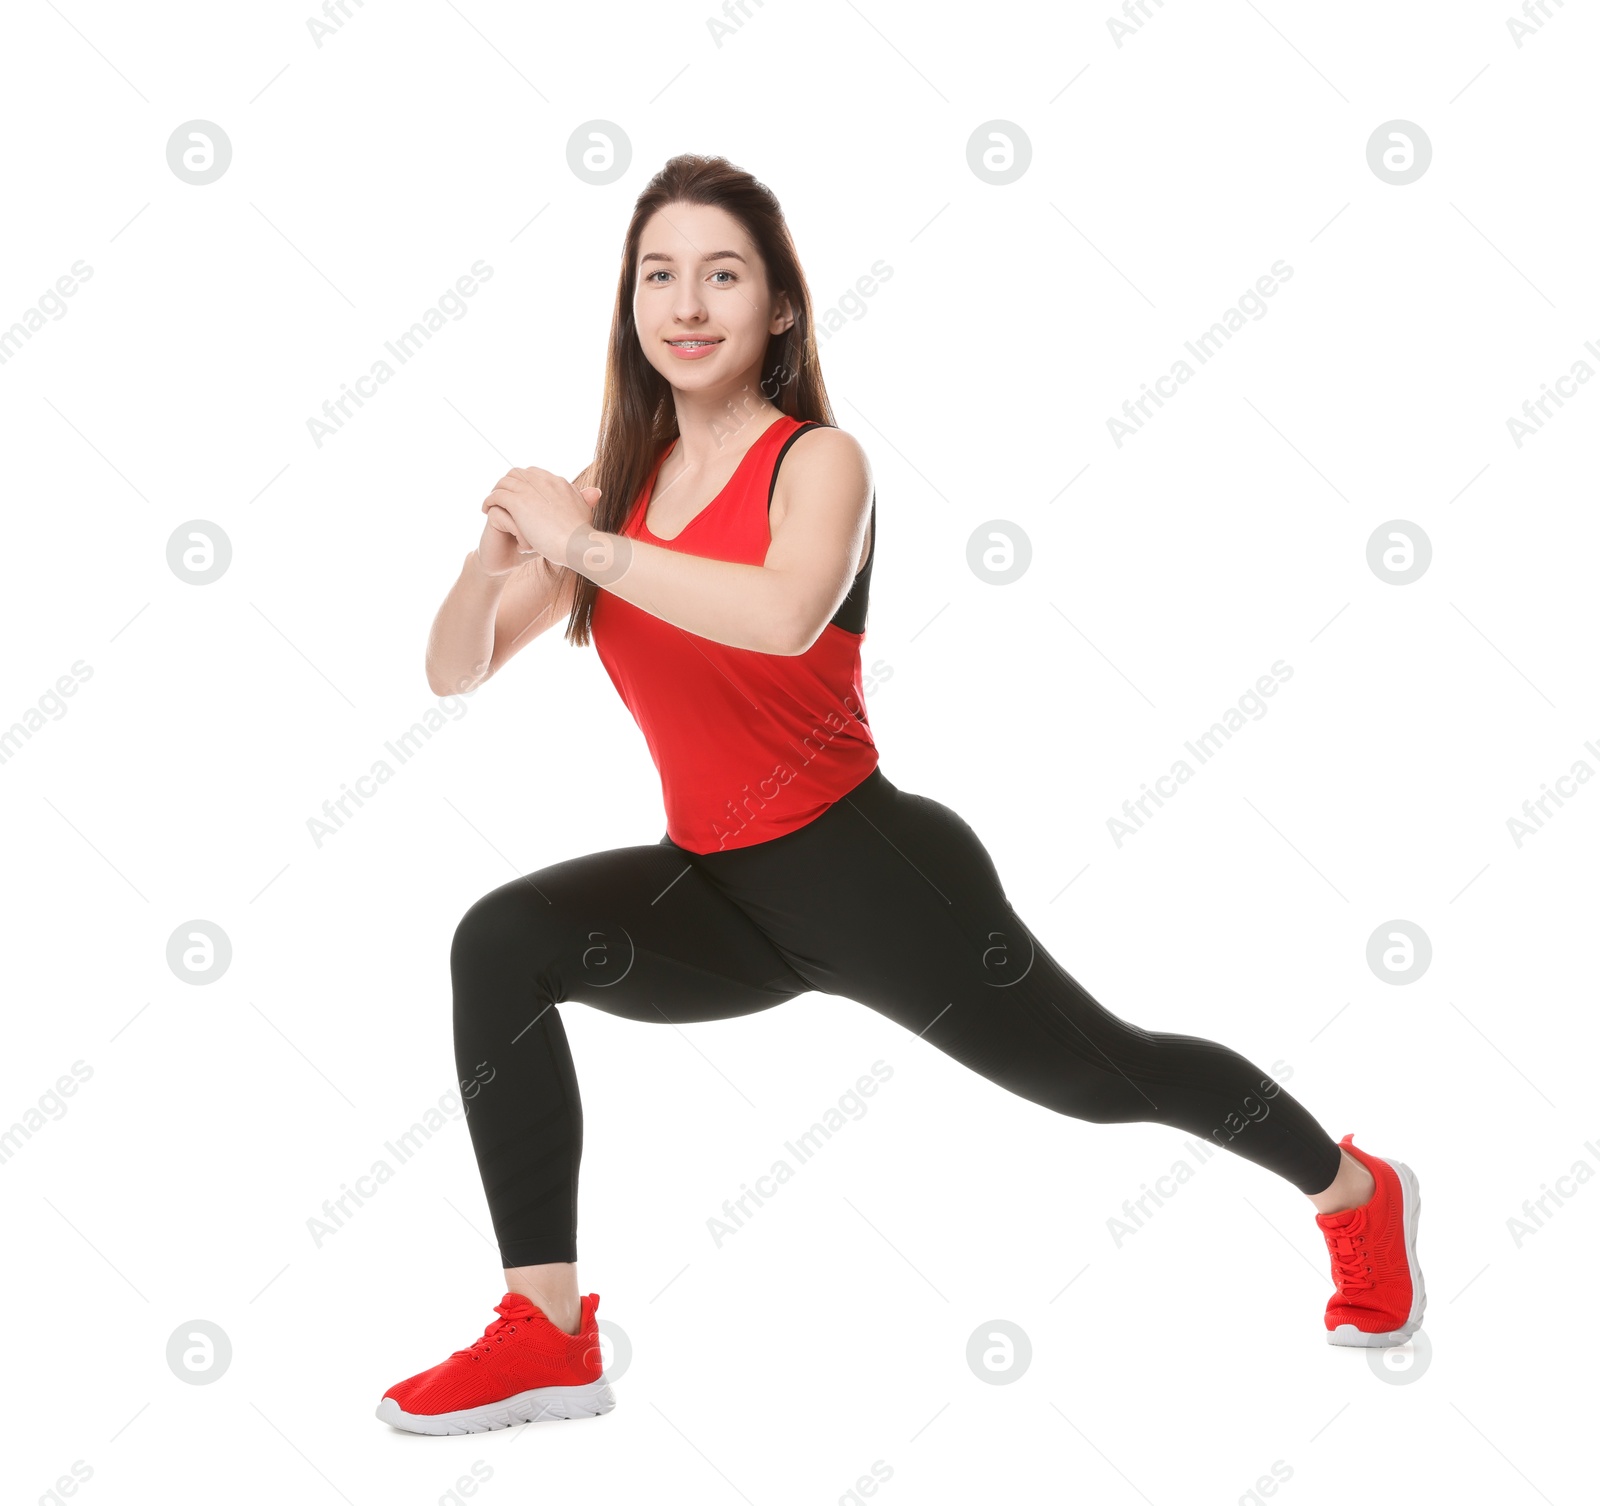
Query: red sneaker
x=523 y=1369
x=1379 y=1296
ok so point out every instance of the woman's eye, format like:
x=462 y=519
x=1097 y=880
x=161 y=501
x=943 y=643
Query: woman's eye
x=723 y=272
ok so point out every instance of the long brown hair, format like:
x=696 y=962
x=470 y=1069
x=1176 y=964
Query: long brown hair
x=637 y=417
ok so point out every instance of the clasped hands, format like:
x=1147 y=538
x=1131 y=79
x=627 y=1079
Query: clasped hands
x=545 y=513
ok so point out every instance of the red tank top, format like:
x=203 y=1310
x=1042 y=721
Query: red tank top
x=748 y=745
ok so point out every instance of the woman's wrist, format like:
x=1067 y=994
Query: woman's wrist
x=472 y=568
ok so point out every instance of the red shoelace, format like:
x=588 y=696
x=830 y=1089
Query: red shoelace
x=495 y=1333
x=1347 y=1246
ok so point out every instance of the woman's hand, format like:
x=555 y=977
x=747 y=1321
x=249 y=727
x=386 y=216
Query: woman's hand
x=545 y=510
x=500 y=550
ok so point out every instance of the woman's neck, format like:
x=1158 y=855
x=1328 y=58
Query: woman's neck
x=709 y=427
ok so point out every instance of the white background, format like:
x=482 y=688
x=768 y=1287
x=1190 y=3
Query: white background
x=1168 y=574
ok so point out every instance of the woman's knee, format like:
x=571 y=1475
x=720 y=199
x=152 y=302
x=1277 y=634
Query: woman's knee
x=1101 y=1095
x=510 y=931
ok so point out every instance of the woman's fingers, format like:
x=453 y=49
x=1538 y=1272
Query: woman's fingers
x=509 y=484
x=503 y=520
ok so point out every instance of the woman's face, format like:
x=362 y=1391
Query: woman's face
x=700 y=278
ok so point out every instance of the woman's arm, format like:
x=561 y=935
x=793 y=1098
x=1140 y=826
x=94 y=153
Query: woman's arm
x=779 y=607
x=495 y=607
x=485 y=619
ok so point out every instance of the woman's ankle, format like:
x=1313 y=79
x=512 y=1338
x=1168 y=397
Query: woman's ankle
x=553 y=1289
x=1353 y=1186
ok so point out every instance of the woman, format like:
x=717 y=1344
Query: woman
x=720 y=549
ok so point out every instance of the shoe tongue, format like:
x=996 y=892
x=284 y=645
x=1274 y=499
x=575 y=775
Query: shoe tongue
x=515 y=1305
x=1346 y=1221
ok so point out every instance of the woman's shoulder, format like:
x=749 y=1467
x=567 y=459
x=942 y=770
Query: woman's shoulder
x=828 y=452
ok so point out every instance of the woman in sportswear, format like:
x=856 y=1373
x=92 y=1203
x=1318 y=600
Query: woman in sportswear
x=719 y=549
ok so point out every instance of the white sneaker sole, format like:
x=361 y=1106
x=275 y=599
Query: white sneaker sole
x=542 y=1404
x=1411 y=1210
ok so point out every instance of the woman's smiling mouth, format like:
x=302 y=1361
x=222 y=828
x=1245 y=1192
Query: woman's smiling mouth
x=692 y=346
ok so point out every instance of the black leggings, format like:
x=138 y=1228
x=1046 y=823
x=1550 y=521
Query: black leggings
x=887 y=898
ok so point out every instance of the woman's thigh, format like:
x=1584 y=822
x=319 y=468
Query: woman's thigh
x=635 y=931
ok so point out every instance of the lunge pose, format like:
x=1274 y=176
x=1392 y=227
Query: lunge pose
x=718 y=553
